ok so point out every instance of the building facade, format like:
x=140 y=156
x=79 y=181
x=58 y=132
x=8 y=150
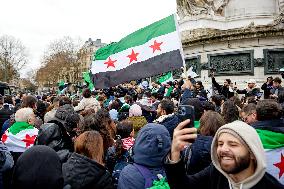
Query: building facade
x=85 y=55
x=241 y=39
x=87 y=52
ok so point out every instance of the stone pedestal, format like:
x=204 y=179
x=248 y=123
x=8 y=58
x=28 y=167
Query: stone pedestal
x=242 y=39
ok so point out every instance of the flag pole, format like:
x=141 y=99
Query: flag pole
x=181 y=49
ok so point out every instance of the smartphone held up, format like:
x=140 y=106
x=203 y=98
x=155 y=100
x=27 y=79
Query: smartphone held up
x=186 y=112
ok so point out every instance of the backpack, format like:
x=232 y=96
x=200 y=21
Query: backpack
x=152 y=181
x=120 y=164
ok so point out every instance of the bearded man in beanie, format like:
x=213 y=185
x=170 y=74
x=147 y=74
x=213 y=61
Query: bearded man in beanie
x=238 y=160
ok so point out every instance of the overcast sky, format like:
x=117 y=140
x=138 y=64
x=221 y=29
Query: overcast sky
x=36 y=23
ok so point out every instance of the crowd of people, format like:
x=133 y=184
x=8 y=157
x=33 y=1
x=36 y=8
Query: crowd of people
x=135 y=136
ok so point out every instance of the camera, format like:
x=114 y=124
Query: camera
x=186 y=112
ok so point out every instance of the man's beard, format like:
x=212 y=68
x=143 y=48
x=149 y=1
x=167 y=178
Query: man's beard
x=240 y=163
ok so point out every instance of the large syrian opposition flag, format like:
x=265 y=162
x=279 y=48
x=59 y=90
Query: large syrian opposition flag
x=273 y=143
x=19 y=137
x=149 y=51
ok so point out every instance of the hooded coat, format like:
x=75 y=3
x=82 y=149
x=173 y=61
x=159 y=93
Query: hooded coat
x=151 y=146
x=214 y=177
x=38 y=167
x=55 y=136
x=81 y=172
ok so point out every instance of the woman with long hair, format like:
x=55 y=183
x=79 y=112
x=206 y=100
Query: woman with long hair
x=102 y=123
x=85 y=168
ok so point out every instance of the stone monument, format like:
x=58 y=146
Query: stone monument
x=241 y=39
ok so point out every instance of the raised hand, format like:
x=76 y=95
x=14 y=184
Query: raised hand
x=181 y=138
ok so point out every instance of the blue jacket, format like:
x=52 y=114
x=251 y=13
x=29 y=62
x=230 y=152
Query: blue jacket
x=198 y=155
x=170 y=123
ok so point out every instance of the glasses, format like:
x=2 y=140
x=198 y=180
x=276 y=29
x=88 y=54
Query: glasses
x=244 y=119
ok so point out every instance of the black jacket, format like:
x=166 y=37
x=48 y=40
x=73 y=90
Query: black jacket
x=209 y=178
x=55 y=136
x=80 y=172
x=266 y=89
x=223 y=90
x=5 y=114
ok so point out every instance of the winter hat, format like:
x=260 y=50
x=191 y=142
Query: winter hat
x=38 y=167
x=67 y=116
x=251 y=81
x=63 y=111
x=113 y=114
x=152 y=144
x=135 y=110
x=236 y=135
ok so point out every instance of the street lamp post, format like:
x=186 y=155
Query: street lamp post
x=5 y=66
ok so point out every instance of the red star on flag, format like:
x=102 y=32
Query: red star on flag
x=29 y=140
x=4 y=138
x=280 y=166
x=156 y=46
x=110 y=63
x=133 y=56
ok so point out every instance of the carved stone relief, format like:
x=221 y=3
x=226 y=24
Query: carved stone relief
x=235 y=63
x=281 y=6
x=201 y=7
x=274 y=60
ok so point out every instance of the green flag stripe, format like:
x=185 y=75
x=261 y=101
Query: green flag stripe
x=19 y=126
x=162 y=27
x=165 y=77
x=270 y=139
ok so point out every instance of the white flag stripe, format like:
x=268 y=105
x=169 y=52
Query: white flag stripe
x=273 y=156
x=15 y=143
x=170 y=41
